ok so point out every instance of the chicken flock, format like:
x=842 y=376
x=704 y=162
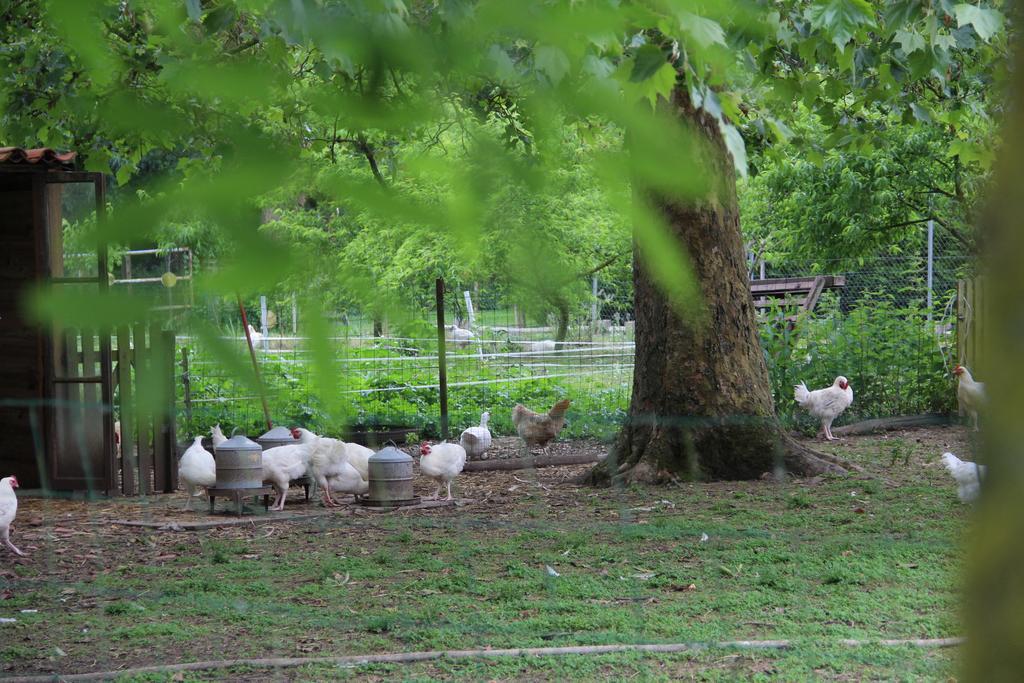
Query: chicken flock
x=338 y=467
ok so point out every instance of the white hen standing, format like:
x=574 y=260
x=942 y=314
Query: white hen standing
x=283 y=464
x=968 y=476
x=331 y=459
x=442 y=463
x=8 y=509
x=970 y=393
x=196 y=470
x=476 y=440
x=825 y=404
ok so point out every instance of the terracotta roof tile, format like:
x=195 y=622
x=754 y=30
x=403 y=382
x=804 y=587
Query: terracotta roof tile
x=41 y=155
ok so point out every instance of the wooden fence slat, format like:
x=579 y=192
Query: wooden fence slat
x=129 y=464
x=144 y=415
x=171 y=414
x=159 y=376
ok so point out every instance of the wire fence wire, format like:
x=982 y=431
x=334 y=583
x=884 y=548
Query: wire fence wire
x=884 y=328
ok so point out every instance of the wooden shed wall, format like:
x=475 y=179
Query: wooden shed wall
x=22 y=345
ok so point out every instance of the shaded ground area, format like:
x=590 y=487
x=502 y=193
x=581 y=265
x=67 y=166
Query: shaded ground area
x=812 y=560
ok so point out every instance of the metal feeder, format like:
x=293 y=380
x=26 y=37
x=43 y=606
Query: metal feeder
x=278 y=436
x=239 y=464
x=390 y=479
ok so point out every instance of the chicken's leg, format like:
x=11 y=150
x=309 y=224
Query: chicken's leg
x=7 y=542
x=437 y=493
x=974 y=414
x=449 y=483
x=188 y=499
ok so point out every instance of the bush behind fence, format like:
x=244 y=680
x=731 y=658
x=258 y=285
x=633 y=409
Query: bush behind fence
x=878 y=330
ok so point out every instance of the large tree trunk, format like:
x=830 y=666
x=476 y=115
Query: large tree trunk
x=701 y=405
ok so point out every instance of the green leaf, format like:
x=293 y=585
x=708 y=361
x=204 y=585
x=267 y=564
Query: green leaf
x=910 y=41
x=944 y=41
x=660 y=84
x=902 y=13
x=646 y=62
x=920 y=113
x=986 y=22
x=704 y=32
x=737 y=148
x=840 y=19
x=552 y=62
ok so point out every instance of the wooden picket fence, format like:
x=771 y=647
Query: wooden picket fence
x=971 y=327
x=144 y=387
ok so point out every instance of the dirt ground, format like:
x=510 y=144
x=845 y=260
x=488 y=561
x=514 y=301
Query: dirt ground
x=74 y=543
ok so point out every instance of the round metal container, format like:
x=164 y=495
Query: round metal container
x=239 y=464
x=278 y=436
x=390 y=479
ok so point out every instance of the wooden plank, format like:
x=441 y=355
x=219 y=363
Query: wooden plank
x=171 y=412
x=812 y=296
x=159 y=376
x=129 y=464
x=143 y=415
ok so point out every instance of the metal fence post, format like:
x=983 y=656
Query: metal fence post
x=931 y=264
x=442 y=364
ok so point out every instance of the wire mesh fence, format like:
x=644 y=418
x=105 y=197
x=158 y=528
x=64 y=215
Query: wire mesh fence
x=879 y=324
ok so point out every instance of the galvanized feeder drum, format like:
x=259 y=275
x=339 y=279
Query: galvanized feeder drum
x=278 y=436
x=390 y=479
x=239 y=464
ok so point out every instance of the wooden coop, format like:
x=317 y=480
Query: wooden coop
x=56 y=383
x=59 y=385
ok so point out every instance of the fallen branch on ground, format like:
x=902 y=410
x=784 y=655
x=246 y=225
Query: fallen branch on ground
x=410 y=657
x=890 y=423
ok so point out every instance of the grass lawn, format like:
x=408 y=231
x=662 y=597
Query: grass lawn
x=813 y=561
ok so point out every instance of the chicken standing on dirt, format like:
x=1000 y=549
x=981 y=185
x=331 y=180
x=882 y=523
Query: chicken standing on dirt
x=442 y=463
x=331 y=459
x=539 y=429
x=970 y=393
x=968 y=476
x=476 y=440
x=8 y=509
x=196 y=470
x=281 y=465
x=825 y=404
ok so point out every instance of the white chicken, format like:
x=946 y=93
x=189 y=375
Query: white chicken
x=971 y=394
x=196 y=470
x=459 y=335
x=476 y=440
x=255 y=335
x=442 y=463
x=825 y=404
x=281 y=465
x=8 y=509
x=968 y=476
x=217 y=436
x=347 y=480
x=332 y=459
